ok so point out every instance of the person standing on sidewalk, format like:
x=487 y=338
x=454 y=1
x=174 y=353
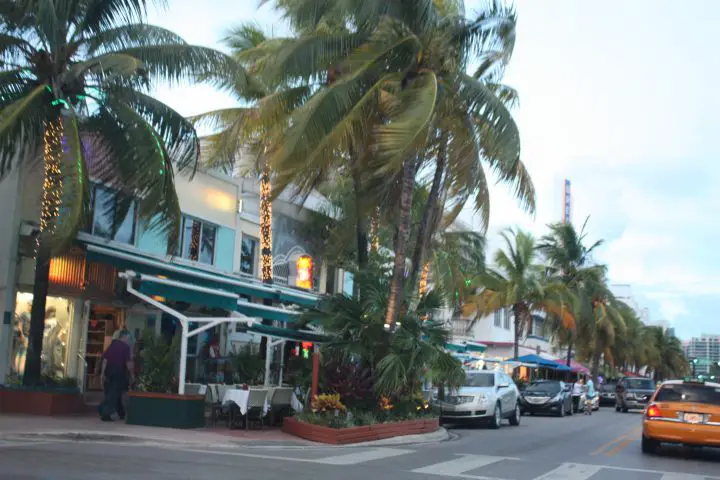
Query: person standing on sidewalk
x=117 y=374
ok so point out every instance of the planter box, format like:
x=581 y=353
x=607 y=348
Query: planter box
x=165 y=410
x=343 y=436
x=39 y=401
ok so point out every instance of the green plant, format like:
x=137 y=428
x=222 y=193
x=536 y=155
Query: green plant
x=328 y=403
x=160 y=361
x=364 y=418
x=249 y=367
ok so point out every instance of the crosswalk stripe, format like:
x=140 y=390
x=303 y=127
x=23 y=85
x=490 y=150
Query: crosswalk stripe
x=460 y=465
x=364 y=456
x=571 y=471
x=682 y=476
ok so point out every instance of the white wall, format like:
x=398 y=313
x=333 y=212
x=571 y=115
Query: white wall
x=208 y=197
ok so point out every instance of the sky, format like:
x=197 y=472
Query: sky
x=619 y=97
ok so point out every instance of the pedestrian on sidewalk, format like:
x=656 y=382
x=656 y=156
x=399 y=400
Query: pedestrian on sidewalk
x=589 y=395
x=117 y=374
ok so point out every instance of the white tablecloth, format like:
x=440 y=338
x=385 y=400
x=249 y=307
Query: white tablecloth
x=295 y=403
x=240 y=398
x=203 y=390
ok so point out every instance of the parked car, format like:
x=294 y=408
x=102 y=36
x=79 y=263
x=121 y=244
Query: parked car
x=607 y=394
x=487 y=396
x=547 y=396
x=633 y=393
x=682 y=412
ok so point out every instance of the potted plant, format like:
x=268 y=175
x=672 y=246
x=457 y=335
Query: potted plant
x=155 y=402
x=51 y=396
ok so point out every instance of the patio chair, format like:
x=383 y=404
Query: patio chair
x=256 y=406
x=280 y=404
x=192 y=389
x=213 y=405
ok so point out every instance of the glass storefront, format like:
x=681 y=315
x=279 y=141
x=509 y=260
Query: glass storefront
x=56 y=353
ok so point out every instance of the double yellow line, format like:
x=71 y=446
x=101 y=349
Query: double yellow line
x=615 y=446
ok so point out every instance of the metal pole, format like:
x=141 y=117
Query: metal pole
x=315 y=374
x=183 y=357
x=282 y=364
x=268 y=353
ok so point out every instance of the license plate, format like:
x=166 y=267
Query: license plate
x=693 y=418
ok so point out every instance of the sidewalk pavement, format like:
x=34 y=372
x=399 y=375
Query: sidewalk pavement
x=91 y=428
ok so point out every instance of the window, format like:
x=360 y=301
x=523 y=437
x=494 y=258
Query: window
x=498 y=318
x=506 y=318
x=248 y=254
x=689 y=394
x=197 y=240
x=105 y=205
x=480 y=380
x=347 y=288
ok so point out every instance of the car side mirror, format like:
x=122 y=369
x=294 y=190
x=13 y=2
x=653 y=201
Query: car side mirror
x=566 y=388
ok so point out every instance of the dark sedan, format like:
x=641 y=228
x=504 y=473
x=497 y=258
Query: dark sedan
x=547 y=396
x=607 y=394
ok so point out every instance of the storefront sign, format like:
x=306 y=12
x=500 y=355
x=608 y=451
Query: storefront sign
x=304 y=266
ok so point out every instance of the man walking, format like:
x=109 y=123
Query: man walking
x=117 y=374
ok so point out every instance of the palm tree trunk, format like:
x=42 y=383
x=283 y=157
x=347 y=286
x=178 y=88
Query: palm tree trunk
x=49 y=211
x=595 y=369
x=266 y=244
x=398 y=278
x=360 y=230
x=428 y=217
x=569 y=353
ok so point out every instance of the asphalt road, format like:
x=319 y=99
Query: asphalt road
x=603 y=446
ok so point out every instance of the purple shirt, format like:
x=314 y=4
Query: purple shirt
x=117 y=354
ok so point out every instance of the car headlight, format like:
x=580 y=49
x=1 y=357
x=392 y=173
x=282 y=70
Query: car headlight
x=557 y=398
x=481 y=399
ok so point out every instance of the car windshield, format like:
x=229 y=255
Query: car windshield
x=639 y=384
x=544 y=387
x=480 y=380
x=689 y=394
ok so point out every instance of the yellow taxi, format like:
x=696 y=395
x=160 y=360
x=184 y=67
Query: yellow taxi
x=685 y=412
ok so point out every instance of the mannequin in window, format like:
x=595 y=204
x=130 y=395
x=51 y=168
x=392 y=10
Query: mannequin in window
x=48 y=340
x=21 y=331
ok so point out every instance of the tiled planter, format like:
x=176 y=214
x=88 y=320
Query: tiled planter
x=166 y=410
x=343 y=436
x=38 y=401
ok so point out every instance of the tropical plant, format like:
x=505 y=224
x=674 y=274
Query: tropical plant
x=398 y=361
x=76 y=79
x=160 y=363
x=568 y=261
x=518 y=283
x=669 y=361
x=375 y=69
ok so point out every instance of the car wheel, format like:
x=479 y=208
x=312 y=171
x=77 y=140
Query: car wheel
x=617 y=408
x=570 y=411
x=648 y=445
x=497 y=417
x=515 y=419
x=625 y=409
x=561 y=413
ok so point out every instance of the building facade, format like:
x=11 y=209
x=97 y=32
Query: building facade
x=706 y=349
x=86 y=303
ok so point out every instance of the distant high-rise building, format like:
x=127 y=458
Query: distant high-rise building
x=567 y=203
x=706 y=348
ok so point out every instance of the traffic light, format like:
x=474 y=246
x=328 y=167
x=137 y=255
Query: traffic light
x=695 y=361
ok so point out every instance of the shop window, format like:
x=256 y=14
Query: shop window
x=506 y=318
x=197 y=240
x=56 y=337
x=104 y=203
x=248 y=254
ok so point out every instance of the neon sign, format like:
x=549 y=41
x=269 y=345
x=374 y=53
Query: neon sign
x=304 y=266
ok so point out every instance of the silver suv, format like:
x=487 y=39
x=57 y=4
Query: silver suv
x=486 y=396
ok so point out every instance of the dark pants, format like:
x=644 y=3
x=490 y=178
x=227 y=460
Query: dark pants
x=115 y=386
x=576 y=403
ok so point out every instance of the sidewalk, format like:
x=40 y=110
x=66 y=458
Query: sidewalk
x=89 y=427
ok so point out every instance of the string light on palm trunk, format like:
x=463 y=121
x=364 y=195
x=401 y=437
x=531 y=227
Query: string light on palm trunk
x=374 y=235
x=266 y=225
x=424 y=279
x=52 y=177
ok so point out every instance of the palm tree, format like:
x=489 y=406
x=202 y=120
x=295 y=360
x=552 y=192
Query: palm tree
x=391 y=94
x=669 y=361
x=599 y=319
x=518 y=283
x=79 y=73
x=568 y=261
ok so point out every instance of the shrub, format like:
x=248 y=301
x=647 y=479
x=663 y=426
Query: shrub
x=327 y=403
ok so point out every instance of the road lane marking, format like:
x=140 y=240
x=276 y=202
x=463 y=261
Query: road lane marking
x=620 y=439
x=571 y=471
x=620 y=446
x=458 y=466
x=364 y=456
x=682 y=476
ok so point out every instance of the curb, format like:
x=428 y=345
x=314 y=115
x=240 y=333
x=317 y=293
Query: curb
x=439 y=435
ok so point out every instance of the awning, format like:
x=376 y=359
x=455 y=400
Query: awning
x=456 y=347
x=265 y=311
x=576 y=367
x=136 y=261
x=287 y=333
x=465 y=347
x=544 y=363
x=475 y=347
x=185 y=292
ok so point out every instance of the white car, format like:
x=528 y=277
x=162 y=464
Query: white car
x=487 y=396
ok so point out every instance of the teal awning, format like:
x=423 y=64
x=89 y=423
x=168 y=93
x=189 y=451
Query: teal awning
x=287 y=333
x=141 y=263
x=475 y=347
x=455 y=347
x=184 y=292
x=265 y=311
